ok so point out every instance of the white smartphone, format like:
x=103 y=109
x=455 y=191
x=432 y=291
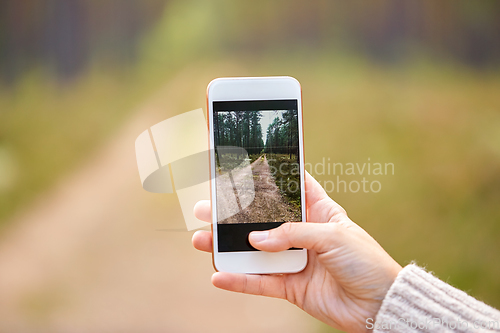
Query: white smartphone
x=257 y=170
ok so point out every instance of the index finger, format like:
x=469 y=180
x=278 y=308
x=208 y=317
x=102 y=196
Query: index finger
x=203 y=211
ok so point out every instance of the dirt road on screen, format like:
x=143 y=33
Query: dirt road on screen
x=268 y=205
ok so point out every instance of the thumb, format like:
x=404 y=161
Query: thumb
x=320 y=237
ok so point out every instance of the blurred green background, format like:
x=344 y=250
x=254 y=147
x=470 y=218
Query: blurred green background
x=414 y=83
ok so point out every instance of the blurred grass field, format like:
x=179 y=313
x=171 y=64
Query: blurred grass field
x=439 y=124
x=436 y=120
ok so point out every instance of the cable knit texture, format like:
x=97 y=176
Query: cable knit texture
x=419 y=302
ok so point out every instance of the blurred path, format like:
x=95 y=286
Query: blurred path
x=88 y=255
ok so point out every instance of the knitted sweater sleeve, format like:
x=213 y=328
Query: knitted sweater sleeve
x=419 y=302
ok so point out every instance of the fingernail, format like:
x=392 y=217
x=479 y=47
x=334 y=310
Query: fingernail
x=258 y=236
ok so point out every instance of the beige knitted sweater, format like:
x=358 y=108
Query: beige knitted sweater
x=419 y=302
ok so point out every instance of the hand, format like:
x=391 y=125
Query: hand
x=348 y=273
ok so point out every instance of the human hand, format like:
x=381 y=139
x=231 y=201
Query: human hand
x=348 y=273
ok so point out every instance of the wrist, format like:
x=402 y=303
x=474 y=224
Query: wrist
x=392 y=273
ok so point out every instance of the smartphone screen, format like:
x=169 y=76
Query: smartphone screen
x=257 y=173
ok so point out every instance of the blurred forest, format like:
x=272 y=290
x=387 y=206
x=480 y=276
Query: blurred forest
x=83 y=64
x=68 y=36
x=414 y=83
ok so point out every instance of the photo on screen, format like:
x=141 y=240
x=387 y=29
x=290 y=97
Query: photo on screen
x=268 y=131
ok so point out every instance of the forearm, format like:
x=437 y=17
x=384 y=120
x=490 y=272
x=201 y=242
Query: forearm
x=418 y=301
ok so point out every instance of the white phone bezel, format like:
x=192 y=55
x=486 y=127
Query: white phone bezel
x=245 y=89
